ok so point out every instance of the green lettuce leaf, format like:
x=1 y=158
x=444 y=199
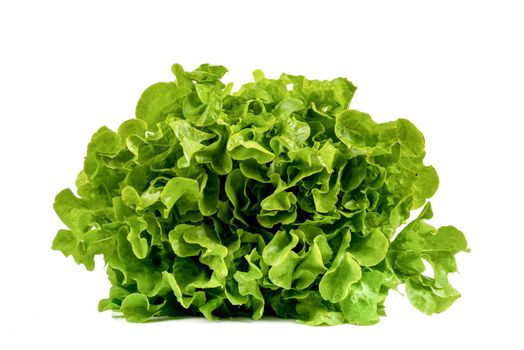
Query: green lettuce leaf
x=275 y=199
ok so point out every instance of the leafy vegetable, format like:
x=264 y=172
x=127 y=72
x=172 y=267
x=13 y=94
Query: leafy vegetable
x=274 y=200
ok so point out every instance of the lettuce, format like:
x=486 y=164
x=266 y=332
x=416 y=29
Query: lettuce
x=276 y=200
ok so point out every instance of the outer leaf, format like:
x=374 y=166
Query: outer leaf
x=191 y=139
x=136 y=308
x=355 y=129
x=158 y=100
x=369 y=250
x=425 y=297
x=182 y=190
x=336 y=282
x=361 y=305
x=310 y=267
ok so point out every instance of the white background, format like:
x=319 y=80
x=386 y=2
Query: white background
x=454 y=68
